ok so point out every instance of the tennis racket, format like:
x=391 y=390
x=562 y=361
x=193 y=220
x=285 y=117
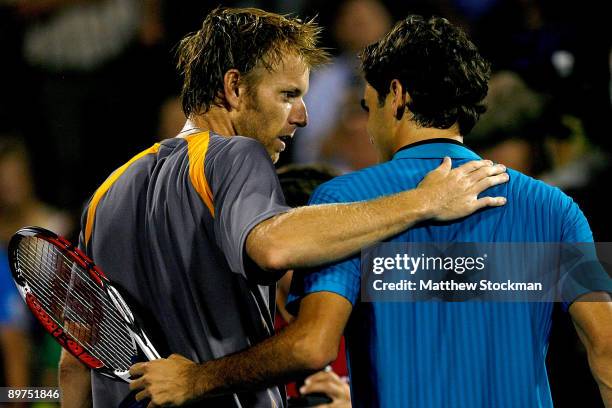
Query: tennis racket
x=75 y=302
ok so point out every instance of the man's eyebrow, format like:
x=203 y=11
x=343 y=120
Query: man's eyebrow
x=293 y=89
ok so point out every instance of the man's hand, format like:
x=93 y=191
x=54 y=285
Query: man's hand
x=166 y=382
x=453 y=193
x=328 y=383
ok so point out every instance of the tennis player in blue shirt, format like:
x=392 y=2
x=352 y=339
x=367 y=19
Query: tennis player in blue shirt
x=425 y=85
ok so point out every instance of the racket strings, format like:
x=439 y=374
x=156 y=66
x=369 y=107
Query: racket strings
x=77 y=306
x=76 y=303
x=79 y=328
x=86 y=327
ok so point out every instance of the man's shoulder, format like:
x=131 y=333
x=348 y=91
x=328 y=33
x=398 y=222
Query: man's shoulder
x=529 y=189
x=355 y=186
x=532 y=199
x=233 y=145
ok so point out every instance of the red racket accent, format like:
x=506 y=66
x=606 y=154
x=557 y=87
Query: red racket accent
x=62 y=337
x=56 y=241
x=42 y=316
x=74 y=347
x=76 y=255
x=99 y=272
x=95 y=276
x=90 y=361
x=67 y=294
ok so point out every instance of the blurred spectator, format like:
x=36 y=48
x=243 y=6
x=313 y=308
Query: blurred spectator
x=14 y=338
x=20 y=207
x=358 y=23
x=574 y=160
x=171 y=118
x=347 y=147
x=559 y=48
x=94 y=65
x=510 y=132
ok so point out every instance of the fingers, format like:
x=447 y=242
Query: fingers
x=486 y=171
x=474 y=165
x=178 y=357
x=322 y=376
x=489 y=182
x=490 y=202
x=446 y=164
x=144 y=394
x=332 y=390
x=137 y=384
x=138 y=369
x=327 y=383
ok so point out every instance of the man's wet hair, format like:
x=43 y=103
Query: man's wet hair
x=439 y=67
x=241 y=39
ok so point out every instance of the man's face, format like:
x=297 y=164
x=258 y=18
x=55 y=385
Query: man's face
x=276 y=107
x=378 y=122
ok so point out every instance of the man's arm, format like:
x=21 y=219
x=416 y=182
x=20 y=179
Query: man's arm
x=305 y=346
x=593 y=322
x=311 y=236
x=15 y=354
x=74 y=382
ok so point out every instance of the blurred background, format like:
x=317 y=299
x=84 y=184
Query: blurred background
x=86 y=84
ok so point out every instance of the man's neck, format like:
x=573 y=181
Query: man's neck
x=216 y=120
x=417 y=134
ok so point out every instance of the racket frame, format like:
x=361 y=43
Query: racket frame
x=68 y=342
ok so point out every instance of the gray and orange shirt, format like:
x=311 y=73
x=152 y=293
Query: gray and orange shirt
x=169 y=228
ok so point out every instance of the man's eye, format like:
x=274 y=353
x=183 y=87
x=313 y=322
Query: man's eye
x=289 y=94
x=364 y=106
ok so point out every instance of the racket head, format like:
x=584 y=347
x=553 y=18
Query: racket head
x=69 y=295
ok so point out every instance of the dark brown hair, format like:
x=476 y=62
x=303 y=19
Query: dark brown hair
x=242 y=39
x=439 y=67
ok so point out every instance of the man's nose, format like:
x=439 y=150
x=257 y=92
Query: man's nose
x=299 y=114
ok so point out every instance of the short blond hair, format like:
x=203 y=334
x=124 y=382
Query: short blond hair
x=242 y=39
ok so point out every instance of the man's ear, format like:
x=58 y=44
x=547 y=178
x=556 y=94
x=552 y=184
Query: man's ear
x=231 y=89
x=398 y=95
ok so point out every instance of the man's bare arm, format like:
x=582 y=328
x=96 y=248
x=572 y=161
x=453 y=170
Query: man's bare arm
x=315 y=235
x=593 y=322
x=15 y=353
x=74 y=382
x=305 y=346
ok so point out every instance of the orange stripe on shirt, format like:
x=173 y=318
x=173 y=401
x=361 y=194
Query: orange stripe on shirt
x=197 y=146
x=91 y=211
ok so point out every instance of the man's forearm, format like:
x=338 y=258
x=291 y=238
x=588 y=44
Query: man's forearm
x=311 y=236
x=274 y=361
x=315 y=235
x=606 y=395
x=16 y=351
x=177 y=380
x=74 y=382
x=592 y=316
x=601 y=367
x=303 y=347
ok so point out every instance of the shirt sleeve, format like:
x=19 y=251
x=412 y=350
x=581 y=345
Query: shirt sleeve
x=246 y=192
x=585 y=273
x=342 y=278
